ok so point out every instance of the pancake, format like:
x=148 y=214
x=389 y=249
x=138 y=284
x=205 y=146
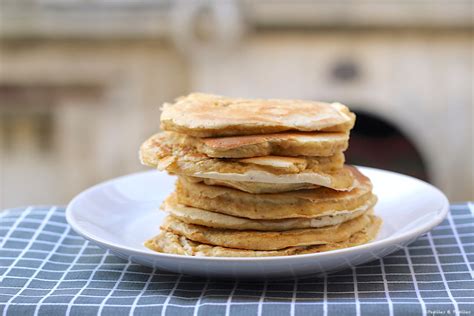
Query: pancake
x=303 y=203
x=191 y=215
x=168 y=242
x=266 y=240
x=160 y=152
x=280 y=144
x=255 y=187
x=206 y=115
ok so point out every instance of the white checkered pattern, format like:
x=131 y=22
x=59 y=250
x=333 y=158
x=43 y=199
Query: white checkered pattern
x=45 y=268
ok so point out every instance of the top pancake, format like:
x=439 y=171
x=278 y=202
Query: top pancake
x=206 y=115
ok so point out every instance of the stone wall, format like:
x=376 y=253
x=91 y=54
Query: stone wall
x=94 y=136
x=81 y=82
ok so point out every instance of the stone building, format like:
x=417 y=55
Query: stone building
x=81 y=82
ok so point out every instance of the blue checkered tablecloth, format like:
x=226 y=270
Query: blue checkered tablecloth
x=46 y=269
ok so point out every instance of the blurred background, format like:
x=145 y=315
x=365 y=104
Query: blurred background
x=82 y=81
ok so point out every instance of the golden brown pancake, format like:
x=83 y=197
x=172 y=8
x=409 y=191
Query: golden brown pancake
x=267 y=240
x=206 y=115
x=163 y=154
x=303 y=203
x=255 y=187
x=279 y=144
x=259 y=178
x=169 y=242
x=192 y=215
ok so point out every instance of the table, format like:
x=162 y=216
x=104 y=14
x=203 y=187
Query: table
x=47 y=269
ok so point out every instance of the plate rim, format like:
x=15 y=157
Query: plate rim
x=441 y=212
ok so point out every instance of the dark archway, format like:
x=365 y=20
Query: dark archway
x=377 y=143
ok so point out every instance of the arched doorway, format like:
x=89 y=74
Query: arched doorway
x=375 y=142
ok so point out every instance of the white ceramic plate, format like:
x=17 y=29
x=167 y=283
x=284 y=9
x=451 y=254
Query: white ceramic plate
x=121 y=214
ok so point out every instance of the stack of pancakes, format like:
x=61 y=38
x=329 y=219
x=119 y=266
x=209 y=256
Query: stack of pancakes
x=259 y=178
